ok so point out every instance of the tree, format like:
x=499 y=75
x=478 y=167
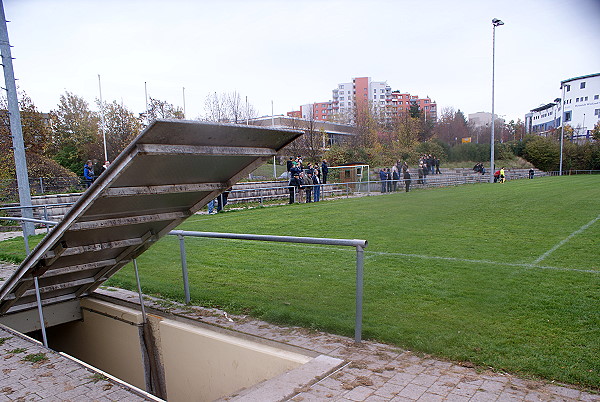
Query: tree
x=227 y=108
x=75 y=136
x=158 y=109
x=452 y=126
x=596 y=132
x=121 y=127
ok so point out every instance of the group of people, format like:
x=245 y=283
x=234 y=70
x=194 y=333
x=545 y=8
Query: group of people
x=479 y=168
x=499 y=175
x=390 y=177
x=93 y=169
x=306 y=180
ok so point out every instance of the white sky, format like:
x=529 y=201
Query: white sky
x=296 y=52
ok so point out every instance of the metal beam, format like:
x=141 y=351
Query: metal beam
x=168 y=189
x=98 y=247
x=130 y=220
x=78 y=268
x=55 y=314
x=167 y=149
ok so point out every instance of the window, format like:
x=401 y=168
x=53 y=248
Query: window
x=382 y=91
x=586 y=98
x=596 y=97
x=374 y=90
x=567 y=116
x=381 y=96
x=597 y=112
x=582 y=85
x=576 y=99
x=568 y=88
x=342 y=98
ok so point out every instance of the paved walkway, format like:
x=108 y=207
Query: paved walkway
x=31 y=372
x=375 y=371
x=372 y=371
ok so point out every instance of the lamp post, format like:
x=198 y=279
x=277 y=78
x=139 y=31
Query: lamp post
x=495 y=22
x=562 y=128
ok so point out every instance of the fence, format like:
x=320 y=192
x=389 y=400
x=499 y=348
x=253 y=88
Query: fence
x=359 y=245
x=41 y=185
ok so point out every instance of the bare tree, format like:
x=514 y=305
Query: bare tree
x=228 y=108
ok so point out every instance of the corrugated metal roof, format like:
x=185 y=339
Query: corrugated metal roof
x=170 y=171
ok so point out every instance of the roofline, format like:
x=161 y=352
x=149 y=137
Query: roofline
x=578 y=78
x=544 y=107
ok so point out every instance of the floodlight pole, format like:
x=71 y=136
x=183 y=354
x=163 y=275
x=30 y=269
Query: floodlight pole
x=102 y=123
x=562 y=129
x=495 y=22
x=16 y=130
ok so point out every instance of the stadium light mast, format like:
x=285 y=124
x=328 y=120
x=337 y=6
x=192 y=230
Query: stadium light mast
x=495 y=22
x=562 y=128
x=16 y=130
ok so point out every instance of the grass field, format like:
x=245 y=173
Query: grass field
x=503 y=276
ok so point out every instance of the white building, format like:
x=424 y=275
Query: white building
x=582 y=104
x=482 y=119
x=544 y=118
x=360 y=92
x=581 y=100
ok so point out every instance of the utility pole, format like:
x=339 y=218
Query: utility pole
x=102 y=123
x=16 y=129
x=495 y=22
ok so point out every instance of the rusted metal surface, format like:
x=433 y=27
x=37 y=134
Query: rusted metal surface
x=170 y=171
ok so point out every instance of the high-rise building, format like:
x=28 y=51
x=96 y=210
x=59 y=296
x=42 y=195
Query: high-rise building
x=362 y=94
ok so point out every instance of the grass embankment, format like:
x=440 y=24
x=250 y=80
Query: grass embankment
x=448 y=271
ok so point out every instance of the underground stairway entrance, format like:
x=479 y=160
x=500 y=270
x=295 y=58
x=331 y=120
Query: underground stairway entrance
x=170 y=171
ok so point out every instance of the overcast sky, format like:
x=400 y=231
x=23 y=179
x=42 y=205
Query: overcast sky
x=296 y=52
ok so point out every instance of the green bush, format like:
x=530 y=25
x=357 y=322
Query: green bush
x=543 y=153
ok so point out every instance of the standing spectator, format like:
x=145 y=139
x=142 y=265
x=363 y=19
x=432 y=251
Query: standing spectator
x=502 y=176
x=317 y=186
x=88 y=173
x=395 y=176
x=407 y=179
x=383 y=177
x=289 y=166
x=437 y=166
x=324 y=170
x=222 y=200
x=531 y=173
x=308 y=185
x=294 y=186
x=420 y=172
x=388 y=175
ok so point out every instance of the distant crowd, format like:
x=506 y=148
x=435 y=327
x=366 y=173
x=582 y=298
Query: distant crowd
x=391 y=177
x=306 y=180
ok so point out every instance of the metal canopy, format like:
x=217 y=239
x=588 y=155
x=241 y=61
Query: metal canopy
x=170 y=171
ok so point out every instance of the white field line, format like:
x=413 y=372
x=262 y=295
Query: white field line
x=373 y=254
x=563 y=241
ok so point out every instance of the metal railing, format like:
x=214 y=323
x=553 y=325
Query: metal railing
x=358 y=244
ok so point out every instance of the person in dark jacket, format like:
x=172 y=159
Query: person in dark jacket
x=308 y=184
x=88 y=173
x=324 y=170
x=295 y=185
x=407 y=179
x=383 y=178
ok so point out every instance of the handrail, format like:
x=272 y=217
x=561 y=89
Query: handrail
x=358 y=244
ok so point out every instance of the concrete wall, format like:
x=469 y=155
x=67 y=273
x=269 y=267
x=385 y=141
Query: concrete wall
x=106 y=338
x=199 y=364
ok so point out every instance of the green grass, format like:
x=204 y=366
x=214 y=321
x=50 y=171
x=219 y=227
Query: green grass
x=448 y=271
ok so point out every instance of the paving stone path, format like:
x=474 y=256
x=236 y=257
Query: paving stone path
x=371 y=372
x=30 y=372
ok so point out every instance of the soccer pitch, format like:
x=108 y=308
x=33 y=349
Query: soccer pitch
x=505 y=276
